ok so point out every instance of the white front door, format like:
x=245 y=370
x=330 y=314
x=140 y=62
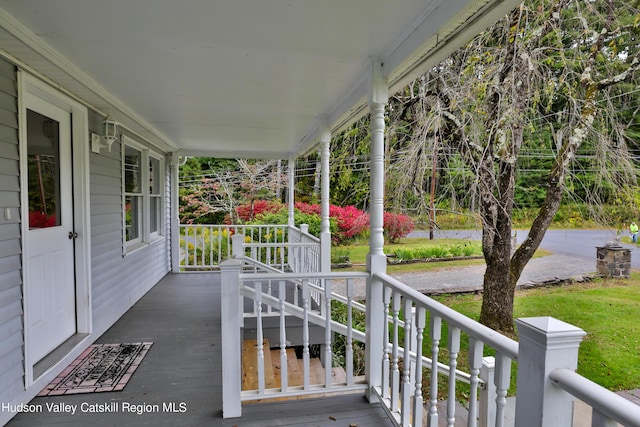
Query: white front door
x=50 y=292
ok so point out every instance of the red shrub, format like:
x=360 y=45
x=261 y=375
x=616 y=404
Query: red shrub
x=396 y=226
x=307 y=208
x=351 y=221
x=249 y=211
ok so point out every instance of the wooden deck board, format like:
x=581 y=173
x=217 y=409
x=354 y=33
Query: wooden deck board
x=181 y=315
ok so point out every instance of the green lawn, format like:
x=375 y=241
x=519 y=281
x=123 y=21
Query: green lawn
x=608 y=310
x=358 y=255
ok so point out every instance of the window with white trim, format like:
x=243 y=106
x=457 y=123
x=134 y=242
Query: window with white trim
x=142 y=197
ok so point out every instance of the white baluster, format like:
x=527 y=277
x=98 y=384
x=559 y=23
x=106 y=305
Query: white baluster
x=218 y=243
x=349 y=343
x=260 y=337
x=476 y=348
x=282 y=296
x=269 y=292
x=305 y=333
x=417 y=394
x=386 y=353
x=395 y=371
x=406 y=364
x=436 y=334
x=328 y=355
x=453 y=345
x=502 y=380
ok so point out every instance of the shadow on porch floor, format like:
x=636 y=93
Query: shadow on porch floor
x=179 y=381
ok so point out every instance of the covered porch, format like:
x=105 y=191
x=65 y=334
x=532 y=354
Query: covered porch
x=181 y=316
x=255 y=90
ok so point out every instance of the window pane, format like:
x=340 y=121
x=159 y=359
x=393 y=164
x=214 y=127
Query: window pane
x=132 y=170
x=132 y=210
x=43 y=157
x=154 y=176
x=155 y=209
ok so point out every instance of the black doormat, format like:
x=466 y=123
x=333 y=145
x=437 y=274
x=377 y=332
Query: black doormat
x=101 y=367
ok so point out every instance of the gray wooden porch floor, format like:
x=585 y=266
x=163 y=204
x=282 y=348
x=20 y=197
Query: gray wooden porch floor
x=181 y=315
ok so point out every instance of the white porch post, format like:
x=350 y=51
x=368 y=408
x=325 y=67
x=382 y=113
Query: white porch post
x=231 y=318
x=175 y=218
x=291 y=199
x=325 y=232
x=376 y=260
x=546 y=344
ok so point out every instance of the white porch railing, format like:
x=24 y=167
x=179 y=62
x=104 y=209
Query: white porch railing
x=401 y=390
x=546 y=355
x=205 y=246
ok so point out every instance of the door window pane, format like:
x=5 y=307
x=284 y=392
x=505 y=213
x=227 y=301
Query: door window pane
x=43 y=158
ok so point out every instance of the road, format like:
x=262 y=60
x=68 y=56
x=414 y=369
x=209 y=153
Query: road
x=574 y=243
x=573 y=256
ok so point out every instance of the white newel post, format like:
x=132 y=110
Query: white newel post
x=237 y=246
x=231 y=337
x=376 y=259
x=325 y=232
x=488 y=395
x=546 y=344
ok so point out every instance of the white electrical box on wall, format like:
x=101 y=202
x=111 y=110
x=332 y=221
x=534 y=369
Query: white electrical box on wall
x=95 y=143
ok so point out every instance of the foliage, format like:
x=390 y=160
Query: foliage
x=466 y=249
x=282 y=217
x=352 y=223
x=396 y=226
x=222 y=185
x=339 y=313
x=253 y=209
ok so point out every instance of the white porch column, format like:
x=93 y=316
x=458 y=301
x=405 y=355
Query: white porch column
x=325 y=231
x=546 y=344
x=378 y=98
x=291 y=199
x=175 y=216
x=376 y=260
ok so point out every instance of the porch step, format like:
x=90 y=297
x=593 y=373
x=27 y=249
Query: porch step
x=273 y=368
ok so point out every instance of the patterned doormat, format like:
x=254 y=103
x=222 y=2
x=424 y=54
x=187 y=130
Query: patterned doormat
x=101 y=367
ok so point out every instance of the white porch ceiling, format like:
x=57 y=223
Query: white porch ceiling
x=234 y=78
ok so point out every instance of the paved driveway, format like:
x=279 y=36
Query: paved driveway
x=574 y=256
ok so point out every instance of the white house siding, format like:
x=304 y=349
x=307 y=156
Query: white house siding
x=11 y=337
x=118 y=280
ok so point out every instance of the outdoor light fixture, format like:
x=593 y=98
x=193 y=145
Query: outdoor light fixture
x=110 y=130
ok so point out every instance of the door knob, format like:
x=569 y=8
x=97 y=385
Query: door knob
x=73 y=235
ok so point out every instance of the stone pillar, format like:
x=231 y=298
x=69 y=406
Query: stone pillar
x=612 y=260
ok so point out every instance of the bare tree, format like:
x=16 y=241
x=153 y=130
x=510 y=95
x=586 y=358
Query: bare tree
x=224 y=189
x=549 y=64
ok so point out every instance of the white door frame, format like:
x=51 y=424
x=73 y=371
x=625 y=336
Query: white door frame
x=81 y=213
